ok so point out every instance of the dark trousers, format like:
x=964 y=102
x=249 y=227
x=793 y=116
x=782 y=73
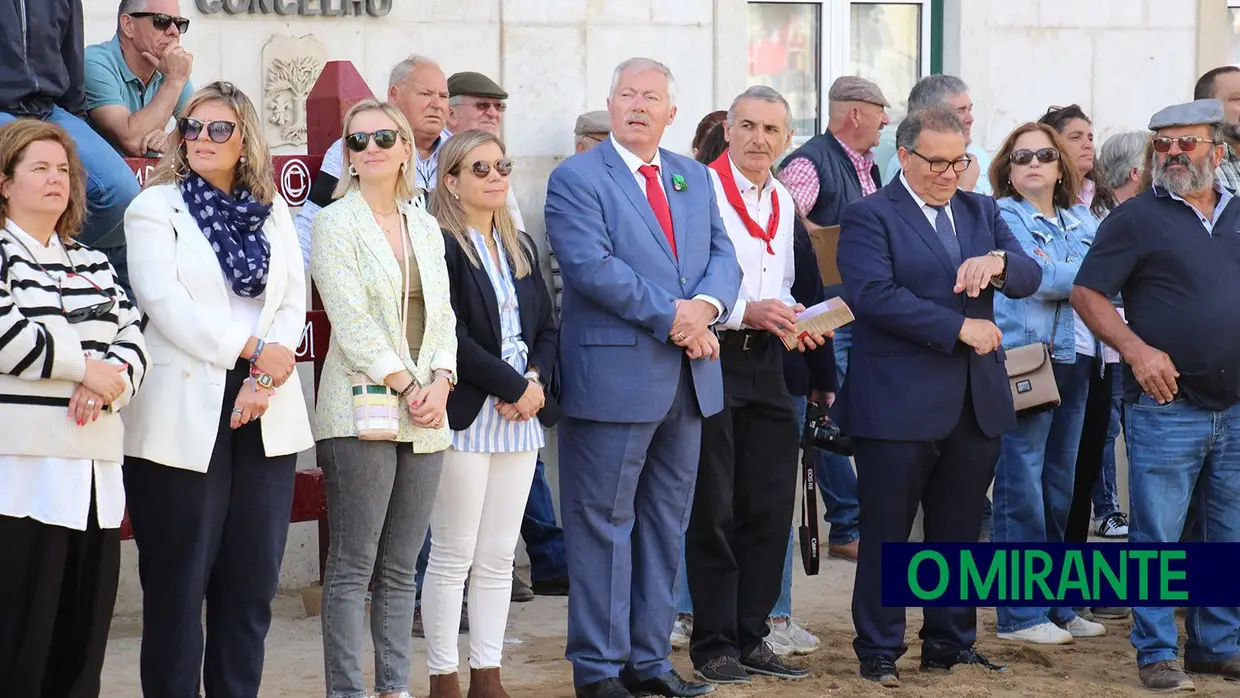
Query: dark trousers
x=57 y=590
x=948 y=478
x=544 y=539
x=216 y=536
x=1093 y=443
x=742 y=505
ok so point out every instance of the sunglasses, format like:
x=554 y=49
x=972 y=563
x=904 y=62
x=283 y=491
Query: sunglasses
x=90 y=312
x=482 y=168
x=1054 y=108
x=1024 y=156
x=385 y=138
x=217 y=131
x=941 y=166
x=1188 y=144
x=163 y=21
x=484 y=105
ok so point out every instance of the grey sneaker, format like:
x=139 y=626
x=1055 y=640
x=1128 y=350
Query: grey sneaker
x=1111 y=612
x=1165 y=677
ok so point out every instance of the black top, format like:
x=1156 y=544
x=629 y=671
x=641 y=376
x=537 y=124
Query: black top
x=41 y=64
x=814 y=369
x=1180 y=286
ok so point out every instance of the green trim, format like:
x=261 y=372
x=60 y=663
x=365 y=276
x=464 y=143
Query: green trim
x=936 y=36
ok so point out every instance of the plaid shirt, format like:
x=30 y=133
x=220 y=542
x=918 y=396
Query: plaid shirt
x=863 y=164
x=801 y=179
x=1228 y=171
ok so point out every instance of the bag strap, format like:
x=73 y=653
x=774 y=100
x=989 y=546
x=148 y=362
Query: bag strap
x=810 y=548
x=404 y=300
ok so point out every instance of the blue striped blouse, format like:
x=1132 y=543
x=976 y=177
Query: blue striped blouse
x=491 y=432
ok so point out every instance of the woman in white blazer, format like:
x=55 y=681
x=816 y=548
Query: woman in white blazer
x=211 y=443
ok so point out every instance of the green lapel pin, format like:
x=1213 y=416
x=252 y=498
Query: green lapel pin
x=678 y=183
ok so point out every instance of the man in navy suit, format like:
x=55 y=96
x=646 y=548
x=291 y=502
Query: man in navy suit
x=927 y=395
x=648 y=269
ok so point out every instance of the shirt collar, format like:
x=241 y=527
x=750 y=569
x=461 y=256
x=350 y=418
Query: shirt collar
x=26 y=238
x=114 y=47
x=921 y=204
x=743 y=183
x=1069 y=221
x=1224 y=197
x=631 y=160
x=867 y=156
x=444 y=135
x=1087 y=192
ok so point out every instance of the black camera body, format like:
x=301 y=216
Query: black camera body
x=820 y=432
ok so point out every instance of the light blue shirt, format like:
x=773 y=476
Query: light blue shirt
x=1224 y=196
x=981 y=156
x=109 y=81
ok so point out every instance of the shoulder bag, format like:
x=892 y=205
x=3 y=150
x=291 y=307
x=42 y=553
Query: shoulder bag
x=376 y=407
x=1031 y=375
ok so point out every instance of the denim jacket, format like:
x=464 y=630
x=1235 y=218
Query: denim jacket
x=1058 y=246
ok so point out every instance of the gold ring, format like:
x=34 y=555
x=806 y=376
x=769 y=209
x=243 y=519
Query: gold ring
x=680 y=336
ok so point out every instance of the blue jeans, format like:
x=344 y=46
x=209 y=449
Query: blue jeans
x=783 y=607
x=1179 y=453
x=1034 y=480
x=110 y=186
x=1105 y=493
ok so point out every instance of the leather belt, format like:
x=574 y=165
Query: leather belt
x=745 y=340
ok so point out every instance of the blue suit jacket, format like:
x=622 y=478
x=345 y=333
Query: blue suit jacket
x=908 y=373
x=621 y=283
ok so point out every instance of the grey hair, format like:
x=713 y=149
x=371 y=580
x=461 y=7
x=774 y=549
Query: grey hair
x=400 y=72
x=645 y=64
x=937 y=118
x=1118 y=156
x=764 y=93
x=933 y=90
x=127 y=7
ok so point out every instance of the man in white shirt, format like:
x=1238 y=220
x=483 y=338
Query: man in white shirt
x=746 y=486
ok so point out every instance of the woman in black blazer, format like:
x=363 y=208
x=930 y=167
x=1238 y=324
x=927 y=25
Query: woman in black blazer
x=507 y=345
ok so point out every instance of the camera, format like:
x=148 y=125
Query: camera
x=820 y=432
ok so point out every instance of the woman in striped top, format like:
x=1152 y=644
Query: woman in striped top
x=69 y=342
x=507 y=345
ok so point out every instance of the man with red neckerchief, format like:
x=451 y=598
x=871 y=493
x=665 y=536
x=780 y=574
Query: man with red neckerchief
x=746 y=486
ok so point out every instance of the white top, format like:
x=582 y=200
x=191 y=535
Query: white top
x=1086 y=345
x=931 y=213
x=763 y=275
x=247 y=310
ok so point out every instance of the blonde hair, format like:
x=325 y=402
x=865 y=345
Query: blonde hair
x=451 y=213
x=15 y=139
x=254 y=172
x=405 y=187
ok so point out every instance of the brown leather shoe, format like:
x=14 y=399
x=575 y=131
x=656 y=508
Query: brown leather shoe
x=1228 y=669
x=1165 y=677
x=848 y=551
x=446 y=686
x=485 y=683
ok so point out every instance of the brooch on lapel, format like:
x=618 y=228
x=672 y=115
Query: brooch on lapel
x=678 y=183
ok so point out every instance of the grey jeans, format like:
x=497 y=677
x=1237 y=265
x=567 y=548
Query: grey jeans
x=379 y=499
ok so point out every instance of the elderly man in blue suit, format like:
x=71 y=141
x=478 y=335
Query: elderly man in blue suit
x=648 y=270
x=921 y=261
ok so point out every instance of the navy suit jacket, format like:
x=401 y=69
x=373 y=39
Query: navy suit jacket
x=621 y=283
x=908 y=373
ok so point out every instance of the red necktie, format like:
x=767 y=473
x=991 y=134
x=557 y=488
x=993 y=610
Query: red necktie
x=658 y=202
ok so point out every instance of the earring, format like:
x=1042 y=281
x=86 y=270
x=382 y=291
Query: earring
x=404 y=167
x=243 y=160
x=352 y=171
x=456 y=196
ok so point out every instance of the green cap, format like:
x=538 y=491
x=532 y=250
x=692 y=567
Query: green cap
x=474 y=85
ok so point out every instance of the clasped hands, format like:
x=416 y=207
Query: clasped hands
x=102 y=382
x=691 y=329
x=530 y=404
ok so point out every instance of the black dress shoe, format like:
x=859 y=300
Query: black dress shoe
x=881 y=669
x=556 y=586
x=669 y=685
x=607 y=688
x=945 y=662
x=765 y=662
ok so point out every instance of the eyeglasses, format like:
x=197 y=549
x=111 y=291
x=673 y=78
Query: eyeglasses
x=163 y=21
x=90 y=312
x=1188 y=144
x=938 y=166
x=482 y=168
x=1024 y=156
x=484 y=105
x=217 y=131
x=385 y=138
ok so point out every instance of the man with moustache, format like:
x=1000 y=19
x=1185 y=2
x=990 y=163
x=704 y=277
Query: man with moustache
x=1173 y=253
x=746 y=484
x=648 y=271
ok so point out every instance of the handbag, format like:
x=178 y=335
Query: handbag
x=376 y=407
x=808 y=531
x=1032 y=377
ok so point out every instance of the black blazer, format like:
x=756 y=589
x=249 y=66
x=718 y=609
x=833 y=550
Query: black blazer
x=481 y=371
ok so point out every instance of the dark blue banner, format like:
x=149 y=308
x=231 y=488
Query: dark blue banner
x=1061 y=574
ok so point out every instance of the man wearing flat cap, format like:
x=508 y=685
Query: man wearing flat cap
x=1173 y=252
x=592 y=128
x=476 y=102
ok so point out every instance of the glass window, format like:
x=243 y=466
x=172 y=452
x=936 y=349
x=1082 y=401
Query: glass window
x=885 y=46
x=785 y=54
x=1233 y=39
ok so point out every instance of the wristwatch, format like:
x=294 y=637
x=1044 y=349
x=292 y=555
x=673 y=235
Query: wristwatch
x=1002 y=255
x=533 y=375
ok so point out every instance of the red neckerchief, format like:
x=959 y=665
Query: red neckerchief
x=723 y=167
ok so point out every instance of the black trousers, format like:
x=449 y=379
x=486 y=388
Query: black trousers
x=1093 y=443
x=216 y=537
x=742 y=506
x=57 y=592
x=948 y=478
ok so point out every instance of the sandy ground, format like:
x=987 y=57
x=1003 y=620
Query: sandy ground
x=535 y=665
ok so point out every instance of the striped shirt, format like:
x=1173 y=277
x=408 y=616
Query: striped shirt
x=491 y=432
x=800 y=177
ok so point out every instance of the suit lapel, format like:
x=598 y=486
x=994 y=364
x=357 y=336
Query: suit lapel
x=626 y=180
x=371 y=237
x=677 y=204
x=912 y=214
x=190 y=235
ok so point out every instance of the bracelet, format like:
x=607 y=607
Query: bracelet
x=408 y=389
x=446 y=375
x=258 y=351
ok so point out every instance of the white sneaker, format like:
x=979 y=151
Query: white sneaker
x=1079 y=627
x=789 y=637
x=1044 y=634
x=682 y=630
x=1114 y=526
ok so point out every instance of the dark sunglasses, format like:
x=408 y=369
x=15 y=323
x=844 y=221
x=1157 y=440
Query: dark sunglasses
x=941 y=166
x=1054 y=108
x=1188 y=144
x=163 y=21
x=217 y=131
x=385 y=138
x=1024 y=156
x=90 y=312
x=482 y=168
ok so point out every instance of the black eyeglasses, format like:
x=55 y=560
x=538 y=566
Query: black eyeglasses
x=939 y=166
x=385 y=138
x=1024 y=156
x=163 y=21
x=482 y=168
x=217 y=131
x=90 y=312
x=1188 y=144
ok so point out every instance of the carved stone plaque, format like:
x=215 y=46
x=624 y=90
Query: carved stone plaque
x=290 y=67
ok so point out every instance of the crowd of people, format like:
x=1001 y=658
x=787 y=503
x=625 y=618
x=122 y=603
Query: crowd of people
x=147 y=365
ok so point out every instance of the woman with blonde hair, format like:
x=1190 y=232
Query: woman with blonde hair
x=507 y=352
x=71 y=355
x=211 y=443
x=378 y=264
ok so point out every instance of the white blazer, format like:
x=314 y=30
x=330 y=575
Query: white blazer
x=193 y=340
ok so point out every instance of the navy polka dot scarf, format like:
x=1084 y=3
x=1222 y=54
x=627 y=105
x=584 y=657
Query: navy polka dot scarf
x=234 y=227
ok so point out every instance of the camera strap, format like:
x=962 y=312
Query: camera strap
x=808 y=532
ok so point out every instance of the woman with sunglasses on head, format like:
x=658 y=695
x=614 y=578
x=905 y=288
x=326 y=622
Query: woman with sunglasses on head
x=71 y=356
x=211 y=444
x=378 y=264
x=1077 y=132
x=508 y=344
x=1037 y=187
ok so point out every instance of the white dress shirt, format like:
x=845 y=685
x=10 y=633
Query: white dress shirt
x=633 y=162
x=763 y=275
x=931 y=213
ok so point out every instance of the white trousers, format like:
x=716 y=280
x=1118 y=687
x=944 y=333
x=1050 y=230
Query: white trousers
x=475 y=525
